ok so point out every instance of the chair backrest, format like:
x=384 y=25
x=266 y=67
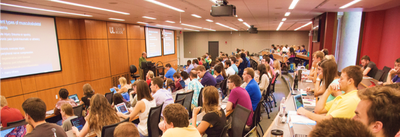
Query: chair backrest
x=200 y=99
x=108 y=131
x=78 y=110
x=188 y=100
x=133 y=69
x=180 y=101
x=225 y=130
x=16 y=123
x=240 y=116
x=378 y=75
x=257 y=114
x=153 y=120
x=385 y=73
x=109 y=97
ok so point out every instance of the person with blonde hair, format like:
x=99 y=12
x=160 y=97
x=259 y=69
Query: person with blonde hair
x=100 y=114
x=8 y=114
x=330 y=57
x=214 y=120
x=67 y=112
x=277 y=67
x=149 y=76
x=168 y=83
x=124 y=86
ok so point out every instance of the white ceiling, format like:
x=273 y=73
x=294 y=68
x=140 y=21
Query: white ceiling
x=263 y=14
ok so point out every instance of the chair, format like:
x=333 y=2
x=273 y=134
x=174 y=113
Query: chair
x=180 y=101
x=188 y=101
x=54 y=119
x=224 y=131
x=133 y=70
x=240 y=116
x=108 y=131
x=266 y=102
x=385 y=73
x=78 y=110
x=109 y=97
x=273 y=88
x=16 y=123
x=257 y=119
x=152 y=121
x=378 y=75
x=200 y=99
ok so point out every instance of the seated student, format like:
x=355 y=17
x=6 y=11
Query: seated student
x=252 y=87
x=368 y=67
x=214 y=120
x=189 y=66
x=277 y=67
x=63 y=99
x=340 y=127
x=269 y=61
x=207 y=78
x=239 y=96
x=325 y=51
x=100 y=114
x=8 y=114
x=126 y=129
x=142 y=108
x=124 y=86
x=196 y=86
x=379 y=110
x=195 y=63
x=177 y=79
x=343 y=105
x=176 y=122
x=218 y=73
x=170 y=71
x=228 y=68
x=264 y=79
x=117 y=99
x=88 y=92
x=394 y=71
x=234 y=66
x=317 y=57
x=35 y=115
x=159 y=94
x=185 y=78
x=303 y=50
x=168 y=83
x=68 y=113
x=149 y=76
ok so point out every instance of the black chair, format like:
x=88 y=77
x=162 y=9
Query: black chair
x=224 y=131
x=188 y=100
x=54 y=119
x=200 y=99
x=257 y=119
x=78 y=110
x=265 y=101
x=133 y=70
x=108 y=131
x=239 y=116
x=109 y=97
x=180 y=101
x=16 y=123
x=385 y=73
x=152 y=121
x=378 y=75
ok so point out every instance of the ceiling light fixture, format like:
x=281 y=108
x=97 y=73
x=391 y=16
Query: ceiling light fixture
x=197 y=16
x=142 y=22
x=240 y=19
x=280 y=24
x=91 y=7
x=190 y=25
x=287 y=13
x=303 y=26
x=169 y=21
x=166 y=26
x=349 y=4
x=32 y=8
x=246 y=24
x=209 y=20
x=209 y=29
x=294 y=2
x=165 y=5
x=149 y=18
x=284 y=19
x=116 y=19
x=190 y=29
x=226 y=26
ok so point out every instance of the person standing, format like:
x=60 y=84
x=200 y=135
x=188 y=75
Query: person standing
x=142 y=59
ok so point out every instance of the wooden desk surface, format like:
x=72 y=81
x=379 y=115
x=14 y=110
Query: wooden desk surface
x=302 y=57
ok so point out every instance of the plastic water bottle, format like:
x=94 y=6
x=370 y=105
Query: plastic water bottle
x=282 y=108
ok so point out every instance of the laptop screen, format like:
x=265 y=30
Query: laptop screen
x=78 y=122
x=121 y=107
x=74 y=97
x=113 y=90
x=298 y=101
x=13 y=131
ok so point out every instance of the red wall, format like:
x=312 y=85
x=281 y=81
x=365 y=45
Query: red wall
x=381 y=37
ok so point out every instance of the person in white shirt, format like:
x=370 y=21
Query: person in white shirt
x=229 y=70
x=159 y=94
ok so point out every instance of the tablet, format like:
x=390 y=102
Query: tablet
x=74 y=97
x=113 y=90
x=78 y=122
x=121 y=107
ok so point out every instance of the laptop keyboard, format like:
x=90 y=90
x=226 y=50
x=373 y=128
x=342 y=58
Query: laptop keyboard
x=300 y=135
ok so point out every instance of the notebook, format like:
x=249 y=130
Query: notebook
x=74 y=97
x=121 y=107
x=78 y=122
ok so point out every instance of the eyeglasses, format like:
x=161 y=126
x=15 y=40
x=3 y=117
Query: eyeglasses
x=229 y=81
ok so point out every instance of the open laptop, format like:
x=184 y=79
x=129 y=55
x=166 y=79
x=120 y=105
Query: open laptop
x=74 y=97
x=78 y=122
x=121 y=107
x=298 y=102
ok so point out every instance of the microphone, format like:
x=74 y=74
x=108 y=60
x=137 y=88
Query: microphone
x=54 y=131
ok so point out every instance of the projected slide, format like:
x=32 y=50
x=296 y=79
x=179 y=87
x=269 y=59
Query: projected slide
x=169 y=42
x=153 y=42
x=28 y=45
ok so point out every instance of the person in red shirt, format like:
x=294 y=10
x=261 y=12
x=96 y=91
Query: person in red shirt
x=9 y=114
x=177 y=79
x=149 y=76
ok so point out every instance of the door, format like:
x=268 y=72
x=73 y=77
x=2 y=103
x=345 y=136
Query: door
x=213 y=49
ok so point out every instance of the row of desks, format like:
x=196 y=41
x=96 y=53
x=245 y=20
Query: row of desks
x=283 y=58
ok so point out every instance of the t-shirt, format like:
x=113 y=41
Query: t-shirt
x=45 y=130
x=170 y=73
x=217 y=123
x=330 y=98
x=196 y=86
x=208 y=80
x=373 y=70
x=235 y=68
x=178 y=85
x=10 y=115
x=240 y=96
x=163 y=96
x=254 y=91
x=148 y=82
x=219 y=78
x=66 y=125
x=230 y=71
x=343 y=106
x=189 y=131
x=396 y=79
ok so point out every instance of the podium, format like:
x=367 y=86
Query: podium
x=147 y=66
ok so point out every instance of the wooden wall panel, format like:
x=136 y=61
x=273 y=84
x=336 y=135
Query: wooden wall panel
x=26 y=96
x=28 y=84
x=135 y=51
x=118 y=56
x=72 y=63
x=98 y=58
x=16 y=102
x=11 y=87
x=101 y=86
x=67 y=28
x=93 y=29
x=49 y=97
x=116 y=30
x=49 y=80
x=135 y=32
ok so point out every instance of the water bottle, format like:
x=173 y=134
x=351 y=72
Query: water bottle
x=282 y=109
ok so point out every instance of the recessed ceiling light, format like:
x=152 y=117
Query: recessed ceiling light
x=246 y=24
x=190 y=25
x=226 y=26
x=116 y=19
x=209 y=29
x=166 y=26
x=280 y=24
x=349 y=4
x=165 y=5
x=149 y=18
x=294 y=2
x=190 y=29
x=142 y=22
x=169 y=21
x=239 y=19
x=303 y=26
x=284 y=19
x=209 y=20
x=87 y=6
x=32 y=8
x=197 y=16
x=287 y=13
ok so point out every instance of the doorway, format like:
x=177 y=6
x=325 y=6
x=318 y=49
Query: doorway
x=213 y=49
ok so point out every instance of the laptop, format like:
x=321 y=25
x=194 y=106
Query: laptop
x=113 y=90
x=78 y=122
x=74 y=97
x=298 y=102
x=121 y=107
x=13 y=131
x=133 y=81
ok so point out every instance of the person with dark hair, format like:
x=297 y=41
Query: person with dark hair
x=170 y=71
x=195 y=63
x=272 y=50
x=379 y=110
x=126 y=129
x=234 y=66
x=196 y=86
x=8 y=114
x=200 y=59
x=218 y=70
x=325 y=51
x=264 y=78
x=340 y=127
x=189 y=66
x=228 y=68
x=291 y=53
x=239 y=96
x=243 y=64
x=35 y=115
x=395 y=71
x=303 y=50
x=368 y=67
x=176 y=122
x=117 y=99
x=185 y=78
x=63 y=99
x=343 y=105
x=160 y=94
x=177 y=79
x=207 y=78
x=248 y=58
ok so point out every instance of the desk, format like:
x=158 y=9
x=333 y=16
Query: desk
x=277 y=57
x=302 y=57
x=366 y=82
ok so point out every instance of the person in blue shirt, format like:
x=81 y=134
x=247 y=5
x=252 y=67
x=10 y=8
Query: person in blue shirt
x=170 y=72
x=219 y=73
x=252 y=87
x=189 y=66
x=303 y=50
x=233 y=61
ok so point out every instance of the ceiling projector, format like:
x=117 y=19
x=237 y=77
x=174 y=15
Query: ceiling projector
x=222 y=9
x=252 y=29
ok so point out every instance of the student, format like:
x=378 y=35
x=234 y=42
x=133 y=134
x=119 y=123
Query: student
x=177 y=79
x=239 y=96
x=88 y=92
x=8 y=114
x=277 y=67
x=394 y=71
x=160 y=94
x=252 y=87
x=303 y=50
x=149 y=76
x=63 y=99
x=142 y=108
x=176 y=122
x=189 y=66
x=207 y=78
x=196 y=86
x=340 y=127
x=170 y=71
x=264 y=79
x=117 y=99
x=317 y=57
x=343 y=105
x=368 y=67
x=35 y=115
x=195 y=63
x=124 y=86
x=243 y=64
x=100 y=114
x=185 y=78
x=228 y=68
x=268 y=61
x=291 y=53
x=325 y=51
x=218 y=70
x=168 y=85
x=126 y=129
x=68 y=113
x=234 y=66
x=379 y=110
x=239 y=60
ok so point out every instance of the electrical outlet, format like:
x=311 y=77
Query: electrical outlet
x=56 y=96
